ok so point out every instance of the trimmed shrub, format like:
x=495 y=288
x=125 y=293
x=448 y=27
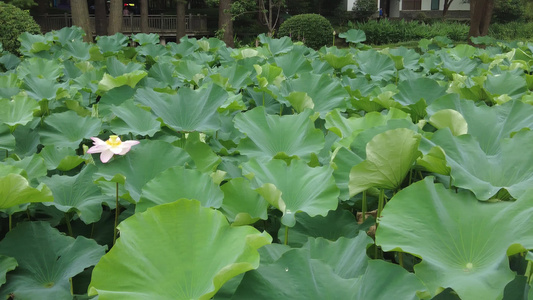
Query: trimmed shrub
x=312 y=29
x=14 y=22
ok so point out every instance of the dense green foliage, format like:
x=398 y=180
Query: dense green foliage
x=247 y=173
x=364 y=9
x=389 y=31
x=14 y=22
x=314 y=30
x=506 y=11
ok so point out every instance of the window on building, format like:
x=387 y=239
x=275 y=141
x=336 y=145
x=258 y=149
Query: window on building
x=411 y=4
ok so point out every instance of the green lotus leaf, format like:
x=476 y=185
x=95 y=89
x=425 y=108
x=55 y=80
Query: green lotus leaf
x=384 y=280
x=163 y=75
x=484 y=174
x=269 y=136
x=77 y=193
x=452 y=65
x=410 y=59
x=338 y=223
x=188 y=110
x=190 y=71
x=63 y=159
x=177 y=183
x=25 y=138
x=343 y=161
x=337 y=58
x=33 y=43
x=473 y=240
x=325 y=91
x=10 y=62
x=67 y=129
x=33 y=165
x=511 y=117
x=434 y=161
x=47 y=260
x=506 y=83
x=203 y=156
x=276 y=46
x=43 y=88
x=389 y=157
x=300 y=101
x=6 y=264
x=413 y=91
x=294 y=62
x=451 y=119
x=242 y=205
x=145 y=39
x=114 y=43
x=353 y=36
x=376 y=65
x=15 y=190
x=109 y=82
x=294 y=188
x=144 y=162
x=40 y=67
x=77 y=50
x=153 y=52
x=346 y=256
x=187 y=252
x=295 y=276
x=269 y=75
x=236 y=77
x=348 y=128
x=9 y=85
x=133 y=119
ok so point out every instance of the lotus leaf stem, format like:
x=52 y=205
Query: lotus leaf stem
x=286 y=242
x=69 y=227
x=364 y=209
x=116 y=215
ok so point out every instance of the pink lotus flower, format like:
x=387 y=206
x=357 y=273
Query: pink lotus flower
x=110 y=147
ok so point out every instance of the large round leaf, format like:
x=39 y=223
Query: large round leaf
x=133 y=119
x=176 y=183
x=47 y=260
x=178 y=250
x=483 y=174
x=463 y=242
x=325 y=91
x=15 y=190
x=67 y=129
x=142 y=163
x=188 y=110
x=511 y=117
x=18 y=111
x=294 y=188
x=77 y=193
x=242 y=205
x=274 y=136
x=389 y=157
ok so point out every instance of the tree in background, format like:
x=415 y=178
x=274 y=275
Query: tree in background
x=480 y=16
x=100 y=17
x=447 y=4
x=115 y=17
x=506 y=11
x=22 y=4
x=364 y=9
x=80 y=18
x=180 y=19
x=144 y=16
x=225 y=22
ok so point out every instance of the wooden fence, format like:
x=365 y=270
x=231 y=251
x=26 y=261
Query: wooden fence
x=163 y=25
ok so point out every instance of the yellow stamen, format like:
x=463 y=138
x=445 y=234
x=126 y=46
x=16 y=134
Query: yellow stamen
x=113 y=141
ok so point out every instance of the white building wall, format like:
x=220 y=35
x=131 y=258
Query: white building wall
x=456 y=5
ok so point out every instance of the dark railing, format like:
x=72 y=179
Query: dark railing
x=164 y=25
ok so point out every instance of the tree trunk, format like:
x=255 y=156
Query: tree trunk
x=180 y=15
x=144 y=16
x=447 y=4
x=80 y=18
x=100 y=17
x=480 y=15
x=225 y=23
x=115 y=17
